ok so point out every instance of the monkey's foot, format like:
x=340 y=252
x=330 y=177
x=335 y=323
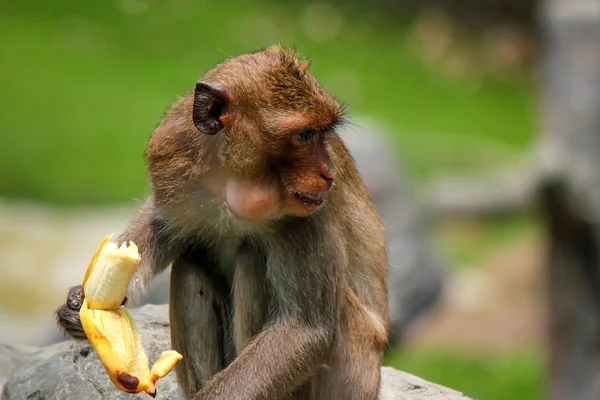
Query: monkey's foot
x=110 y=328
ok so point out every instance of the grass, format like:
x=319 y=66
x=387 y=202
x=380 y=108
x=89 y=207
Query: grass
x=84 y=84
x=518 y=374
x=469 y=243
x=479 y=376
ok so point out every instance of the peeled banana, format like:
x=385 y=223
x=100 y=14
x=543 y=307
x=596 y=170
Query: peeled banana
x=110 y=328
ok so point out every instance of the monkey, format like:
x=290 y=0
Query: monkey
x=278 y=285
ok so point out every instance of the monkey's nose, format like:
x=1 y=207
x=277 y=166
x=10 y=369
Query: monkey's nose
x=327 y=172
x=328 y=176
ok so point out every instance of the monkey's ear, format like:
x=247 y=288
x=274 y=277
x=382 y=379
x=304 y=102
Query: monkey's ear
x=211 y=108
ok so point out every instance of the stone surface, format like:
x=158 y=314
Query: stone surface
x=398 y=385
x=71 y=370
x=11 y=356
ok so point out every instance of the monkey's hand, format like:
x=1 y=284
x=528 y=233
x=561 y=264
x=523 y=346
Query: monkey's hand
x=110 y=328
x=67 y=315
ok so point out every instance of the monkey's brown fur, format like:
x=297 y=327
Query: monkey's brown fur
x=278 y=282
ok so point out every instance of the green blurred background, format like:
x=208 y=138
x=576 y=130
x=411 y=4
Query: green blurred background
x=83 y=84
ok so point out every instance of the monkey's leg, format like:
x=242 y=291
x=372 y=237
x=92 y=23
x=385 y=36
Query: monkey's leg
x=250 y=294
x=356 y=356
x=360 y=374
x=251 y=303
x=199 y=320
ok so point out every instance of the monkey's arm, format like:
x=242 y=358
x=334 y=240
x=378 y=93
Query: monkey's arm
x=276 y=362
x=305 y=289
x=157 y=249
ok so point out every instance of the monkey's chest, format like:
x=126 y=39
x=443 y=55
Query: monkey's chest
x=246 y=297
x=227 y=254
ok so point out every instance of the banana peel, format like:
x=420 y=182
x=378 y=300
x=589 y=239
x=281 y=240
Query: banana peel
x=110 y=328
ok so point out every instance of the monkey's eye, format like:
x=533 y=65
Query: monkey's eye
x=307 y=135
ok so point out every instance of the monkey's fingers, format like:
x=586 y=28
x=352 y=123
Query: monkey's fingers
x=68 y=321
x=118 y=344
x=109 y=273
x=67 y=315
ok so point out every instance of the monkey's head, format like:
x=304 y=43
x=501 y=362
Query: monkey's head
x=264 y=124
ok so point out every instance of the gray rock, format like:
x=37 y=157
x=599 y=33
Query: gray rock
x=398 y=385
x=71 y=370
x=11 y=356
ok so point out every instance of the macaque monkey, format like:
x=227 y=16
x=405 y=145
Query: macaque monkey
x=278 y=280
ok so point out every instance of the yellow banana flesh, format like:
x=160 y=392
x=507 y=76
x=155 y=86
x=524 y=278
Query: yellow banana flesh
x=108 y=275
x=110 y=328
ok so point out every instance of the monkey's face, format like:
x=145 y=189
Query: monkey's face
x=306 y=171
x=295 y=179
x=269 y=120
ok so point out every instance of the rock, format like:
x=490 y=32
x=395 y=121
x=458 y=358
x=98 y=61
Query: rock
x=71 y=370
x=11 y=356
x=398 y=385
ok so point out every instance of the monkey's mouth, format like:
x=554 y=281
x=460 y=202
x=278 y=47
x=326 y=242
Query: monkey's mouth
x=310 y=199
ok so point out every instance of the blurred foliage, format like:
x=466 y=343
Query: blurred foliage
x=85 y=83
x=469 y=243
x=479 y=376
